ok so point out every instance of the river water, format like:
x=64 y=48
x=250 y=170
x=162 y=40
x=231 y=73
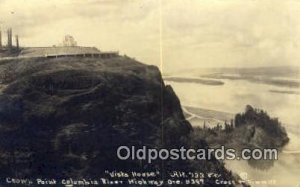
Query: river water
x=232 y=97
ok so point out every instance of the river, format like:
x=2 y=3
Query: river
x=232 y=97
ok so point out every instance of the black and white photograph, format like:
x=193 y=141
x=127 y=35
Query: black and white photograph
x=153 y=93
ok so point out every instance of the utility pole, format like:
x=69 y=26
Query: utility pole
x=0 y=39
x=17 y=42
x=9 y=38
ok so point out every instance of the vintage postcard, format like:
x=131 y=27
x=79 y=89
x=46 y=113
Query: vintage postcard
x=149 y=93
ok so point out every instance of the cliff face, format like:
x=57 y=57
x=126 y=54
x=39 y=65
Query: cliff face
x=66 y=117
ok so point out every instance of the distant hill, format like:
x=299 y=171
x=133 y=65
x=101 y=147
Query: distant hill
x=281 y=76
x=268 y=71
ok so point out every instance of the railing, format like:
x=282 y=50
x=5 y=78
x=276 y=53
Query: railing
x=99 y=55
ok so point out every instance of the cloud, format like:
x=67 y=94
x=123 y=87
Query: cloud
x=26 y=15
x=194 y=33
x=110 y=25
x=230 y=33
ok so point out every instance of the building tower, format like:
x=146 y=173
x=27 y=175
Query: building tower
x=69 y=41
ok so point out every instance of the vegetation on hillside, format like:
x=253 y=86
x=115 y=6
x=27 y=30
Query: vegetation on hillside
x=260 y=118
x=251 y=129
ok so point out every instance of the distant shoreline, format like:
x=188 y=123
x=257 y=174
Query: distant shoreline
x=285 y=92
x=198 y=116
x=194 y=80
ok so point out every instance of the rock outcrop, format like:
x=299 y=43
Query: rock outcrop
x=66 y=117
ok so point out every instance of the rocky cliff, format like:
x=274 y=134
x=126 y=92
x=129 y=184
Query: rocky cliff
x=66 y=117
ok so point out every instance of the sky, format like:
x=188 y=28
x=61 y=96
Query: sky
x=172 y=34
